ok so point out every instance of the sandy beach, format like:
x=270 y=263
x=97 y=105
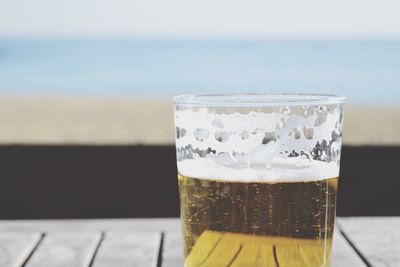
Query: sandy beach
x=112 y=120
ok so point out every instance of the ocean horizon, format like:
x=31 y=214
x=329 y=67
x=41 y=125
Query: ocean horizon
x=366 y=71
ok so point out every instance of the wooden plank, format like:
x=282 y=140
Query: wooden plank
x=16 y=247
x=125 y=249
x=172 y=255
x=155 y=224
x=377 y=238
x=62 y=249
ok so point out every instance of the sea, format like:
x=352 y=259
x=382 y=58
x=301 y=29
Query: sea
x=366 y=71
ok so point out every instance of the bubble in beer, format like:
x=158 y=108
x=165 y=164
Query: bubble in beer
x=201 y=134
x=222 y=136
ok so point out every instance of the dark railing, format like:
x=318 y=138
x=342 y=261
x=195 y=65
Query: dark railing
x=140 y=181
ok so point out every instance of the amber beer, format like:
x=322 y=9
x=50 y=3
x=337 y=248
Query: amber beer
x=231 y=223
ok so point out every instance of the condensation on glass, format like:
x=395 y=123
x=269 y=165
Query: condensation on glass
x=258 y=178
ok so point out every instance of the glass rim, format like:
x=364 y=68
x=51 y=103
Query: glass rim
x=256 y=99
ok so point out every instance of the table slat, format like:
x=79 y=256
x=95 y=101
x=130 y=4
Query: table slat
x=62 y=249
x=16 y=247
x=125 y=249
x=378 y=238
x=172 y=249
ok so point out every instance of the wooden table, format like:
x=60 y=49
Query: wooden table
x=363 y=241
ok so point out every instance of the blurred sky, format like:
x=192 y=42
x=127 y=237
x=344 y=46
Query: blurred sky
x=353 y=47
x=305 y=18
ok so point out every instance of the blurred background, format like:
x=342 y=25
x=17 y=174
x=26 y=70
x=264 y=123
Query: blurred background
x=86 y=124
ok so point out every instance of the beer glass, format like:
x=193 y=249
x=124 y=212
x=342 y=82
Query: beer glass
x=258 y=176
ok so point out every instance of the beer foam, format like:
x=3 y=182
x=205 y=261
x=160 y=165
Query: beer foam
x=281 y=170
x=279 y=144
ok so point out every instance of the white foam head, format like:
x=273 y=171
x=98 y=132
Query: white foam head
x=281 y=170
x=279 y=144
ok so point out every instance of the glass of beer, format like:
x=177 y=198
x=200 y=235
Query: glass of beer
x=258 y=177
